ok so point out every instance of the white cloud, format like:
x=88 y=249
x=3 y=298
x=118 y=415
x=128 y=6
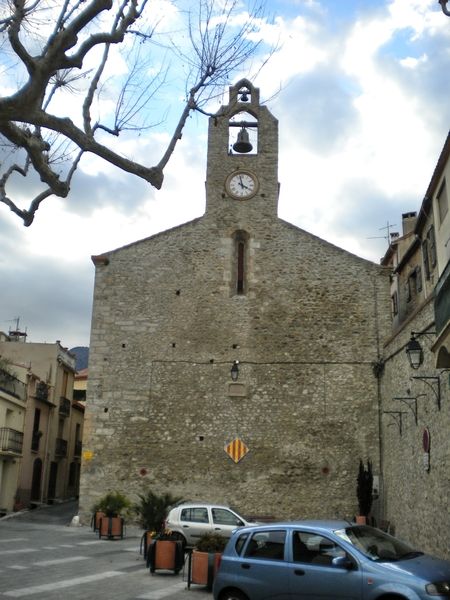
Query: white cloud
x=362 y=120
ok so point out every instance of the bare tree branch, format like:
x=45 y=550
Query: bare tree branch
x=41 y=67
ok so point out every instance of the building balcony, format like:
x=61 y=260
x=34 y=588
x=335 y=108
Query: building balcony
x=61 y=447
x=64 y=407
x=41 y=392
x=11 y=441
x=11 y=385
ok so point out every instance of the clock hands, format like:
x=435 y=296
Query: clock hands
x=243 y=186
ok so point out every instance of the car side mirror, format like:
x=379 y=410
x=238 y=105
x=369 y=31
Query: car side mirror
x=342 y=562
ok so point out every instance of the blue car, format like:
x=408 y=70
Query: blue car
x=326 y=560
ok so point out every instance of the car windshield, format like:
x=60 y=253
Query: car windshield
x=376 y=544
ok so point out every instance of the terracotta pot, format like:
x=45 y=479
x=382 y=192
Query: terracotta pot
x=165 y=554
x=96 y=519
x=110 y=527
x=204 y=566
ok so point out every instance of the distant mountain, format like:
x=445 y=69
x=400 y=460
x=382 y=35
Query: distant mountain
x=82 y=356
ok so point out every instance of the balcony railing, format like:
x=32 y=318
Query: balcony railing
x=42 y=391
x=61 y=447
x=11 y=385
x=11 y=440
x=64 y=407
x=77 y=449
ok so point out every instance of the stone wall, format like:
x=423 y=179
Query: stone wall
x=166 y=329
x=415 y=498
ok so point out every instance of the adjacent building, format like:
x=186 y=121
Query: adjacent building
x=13 y=399
x=46 y=421
x=415 y=410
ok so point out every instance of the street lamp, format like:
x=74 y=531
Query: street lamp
x=445 y=10
x=415 y=353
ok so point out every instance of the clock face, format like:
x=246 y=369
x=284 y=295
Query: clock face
x=242 y=185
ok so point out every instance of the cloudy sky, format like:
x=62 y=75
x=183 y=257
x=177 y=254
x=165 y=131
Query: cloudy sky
x=360 y=88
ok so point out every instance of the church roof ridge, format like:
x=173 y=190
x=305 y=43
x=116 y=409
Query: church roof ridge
x=104 y=255
x=327 y=243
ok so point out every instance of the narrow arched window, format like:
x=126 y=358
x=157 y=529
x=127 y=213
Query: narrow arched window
x=240 y=261
x=240 y=267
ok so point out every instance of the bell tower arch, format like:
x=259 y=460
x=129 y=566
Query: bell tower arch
x=242 y=163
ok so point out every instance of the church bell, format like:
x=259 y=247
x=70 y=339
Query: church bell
x=242 y=143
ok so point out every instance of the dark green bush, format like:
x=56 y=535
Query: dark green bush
x=211 y=542
x=152 y=509
x=112 y=504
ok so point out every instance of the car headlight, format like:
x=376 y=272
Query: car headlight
x=440 y=588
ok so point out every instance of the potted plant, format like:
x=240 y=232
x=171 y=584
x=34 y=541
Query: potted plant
x=111 y=524
x=364 y=491
x=96 y=516
x=151 y=510
x=165 y=551
x=205 y=559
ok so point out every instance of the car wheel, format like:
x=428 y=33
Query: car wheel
x=232 y=595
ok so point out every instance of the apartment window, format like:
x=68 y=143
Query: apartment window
x=36 y=435
x=414 y=283
x=418 y=279
x=394 y=301
x=426 y=259
x=408 y=289
x=432 y=246
x=442 y=201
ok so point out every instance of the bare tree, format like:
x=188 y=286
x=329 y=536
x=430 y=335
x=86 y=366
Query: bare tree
x=42 y=62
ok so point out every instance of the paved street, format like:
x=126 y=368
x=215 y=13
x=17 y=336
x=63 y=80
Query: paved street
x=41 y=556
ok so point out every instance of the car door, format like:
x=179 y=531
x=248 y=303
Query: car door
x=224 y=521
x=194 y=522
x=261 y=572
x=313 y=576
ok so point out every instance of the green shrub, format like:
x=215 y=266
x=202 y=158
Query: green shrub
x=112 y=504
x=152 y=509
x=211 y=542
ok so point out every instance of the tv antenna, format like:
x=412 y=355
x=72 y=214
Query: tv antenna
x=389 y=236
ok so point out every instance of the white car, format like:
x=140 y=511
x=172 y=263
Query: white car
x=192 y=520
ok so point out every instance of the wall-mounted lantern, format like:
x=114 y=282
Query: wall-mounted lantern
x=235 y=370
x=414 y=352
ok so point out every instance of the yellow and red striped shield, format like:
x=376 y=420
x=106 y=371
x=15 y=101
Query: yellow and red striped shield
x=236 y=450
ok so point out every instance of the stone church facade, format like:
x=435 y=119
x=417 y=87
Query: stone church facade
x=300 y=321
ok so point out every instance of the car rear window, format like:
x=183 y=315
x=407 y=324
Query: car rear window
x=268 y=545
